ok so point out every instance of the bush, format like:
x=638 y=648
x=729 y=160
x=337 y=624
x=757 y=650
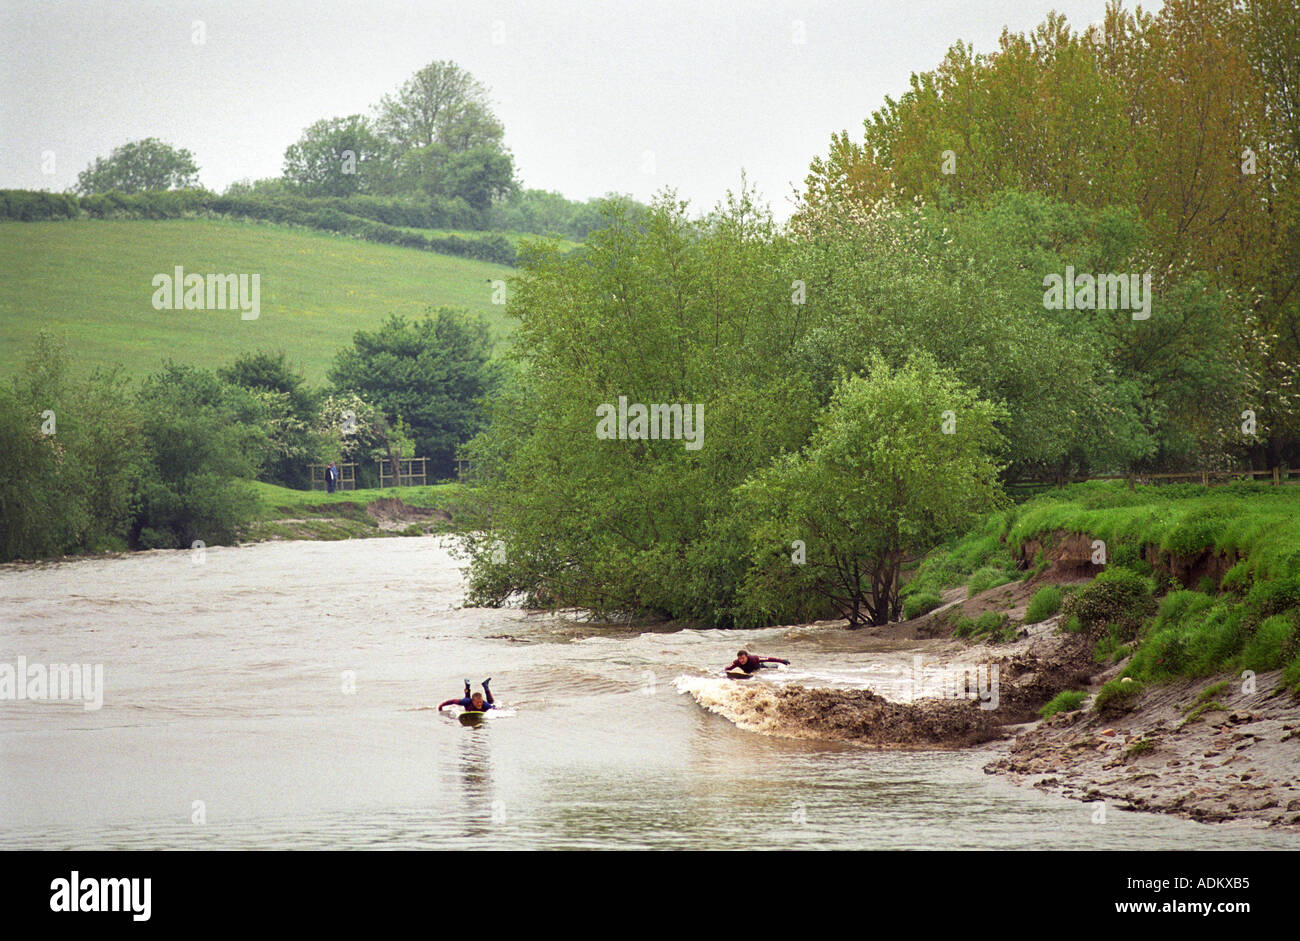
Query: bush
x=990 y=622
x=1065 y=701
x=1117 y=697
x=917 y=605
x=985 y=578
x=1045 y=603
x=36 y=205
x=1264 y=648
x=1116 y=599
x=1291 y=676
x=1274 y=597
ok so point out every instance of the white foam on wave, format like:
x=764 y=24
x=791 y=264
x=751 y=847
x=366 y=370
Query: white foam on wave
x=748 y=705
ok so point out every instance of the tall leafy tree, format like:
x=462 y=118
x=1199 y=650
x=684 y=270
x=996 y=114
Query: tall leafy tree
x=287 y=411
x=431 y=373
x=441 y=137
x=885 y=477
x=335 y=157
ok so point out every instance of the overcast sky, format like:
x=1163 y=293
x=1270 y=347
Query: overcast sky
x=595 y=97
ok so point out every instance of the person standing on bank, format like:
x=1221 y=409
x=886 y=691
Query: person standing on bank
x=331 y=478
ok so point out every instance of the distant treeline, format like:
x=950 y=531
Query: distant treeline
x=103 y=463
x=369 y=218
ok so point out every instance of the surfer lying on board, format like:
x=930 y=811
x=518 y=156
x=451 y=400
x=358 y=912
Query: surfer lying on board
x=473 y=703
x=749 y=663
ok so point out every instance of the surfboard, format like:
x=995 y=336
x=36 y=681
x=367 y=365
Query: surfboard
x=737 y=675
x=471 y=717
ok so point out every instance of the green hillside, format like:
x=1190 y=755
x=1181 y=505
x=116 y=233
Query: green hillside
x=90 y=282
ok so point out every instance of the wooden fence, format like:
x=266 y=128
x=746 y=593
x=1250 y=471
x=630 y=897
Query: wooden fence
x=1277 y=476
x=347 y=476
x=413 y=472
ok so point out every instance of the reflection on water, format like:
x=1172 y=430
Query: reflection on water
x=226 y=683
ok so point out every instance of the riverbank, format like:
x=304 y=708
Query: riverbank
x=1137 y=648
x=352 y=514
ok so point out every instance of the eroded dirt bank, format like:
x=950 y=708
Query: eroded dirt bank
x=1239 y=759
x=1213 y=749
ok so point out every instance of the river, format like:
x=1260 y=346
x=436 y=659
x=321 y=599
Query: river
x=282 y=695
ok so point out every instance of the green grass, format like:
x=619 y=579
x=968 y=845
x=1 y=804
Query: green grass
x=1210 y=692
x=990 y=623
x=1259 y=521
x=1117 y=697
x=1045 y=603
x=958 y=560
x=1212 y=706
x=1141 y=746
x=281 y=502
x=919 y=604
x=315 y=514
x=1067 y=700
x=89 y=281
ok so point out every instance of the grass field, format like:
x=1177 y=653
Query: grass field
x=314 y=514
x=280 y=501
x=90 y=282
x=1257 y=521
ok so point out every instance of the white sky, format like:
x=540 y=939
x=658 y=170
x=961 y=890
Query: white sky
x=585 y=89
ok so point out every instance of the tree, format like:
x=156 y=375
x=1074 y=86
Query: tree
x=440 y=112
x=334 y=157
x=73 y=451
x=147 y=164
x=286 y=410
x=431 y=373
x=200 y=452
x=480 y=176
x=358 y=431
x=884 y=478
x=660 y=309
x=439 y=104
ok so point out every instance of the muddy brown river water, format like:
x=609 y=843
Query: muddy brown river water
x=282 y=695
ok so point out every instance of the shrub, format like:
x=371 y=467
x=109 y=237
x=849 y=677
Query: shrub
x=36 y=205
x=1291 y=676
x=1116 y=599
x=1275 y=596
x=1237 y=579
x=1264 y=648
x=1065 y=701
x=990 y=622
x=985 y=578
x=1045 y=603
x=917 y=605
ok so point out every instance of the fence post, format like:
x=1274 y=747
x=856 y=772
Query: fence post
x=1205 y=478
x=1276 y=478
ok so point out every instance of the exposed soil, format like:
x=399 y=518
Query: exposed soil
x=391 y=513
x=1238 y=759
x=1237 y=764
x=387 y=516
